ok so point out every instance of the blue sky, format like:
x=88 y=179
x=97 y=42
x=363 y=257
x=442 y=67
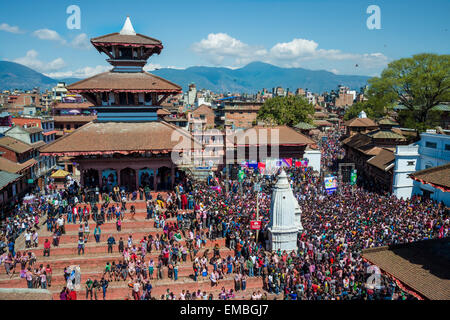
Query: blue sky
x=321 y=34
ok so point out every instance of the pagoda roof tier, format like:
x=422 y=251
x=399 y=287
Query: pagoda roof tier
x=125 y=82
x=100 y=138
x=137 y=40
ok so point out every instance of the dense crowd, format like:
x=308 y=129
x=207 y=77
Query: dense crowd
x=327 y=265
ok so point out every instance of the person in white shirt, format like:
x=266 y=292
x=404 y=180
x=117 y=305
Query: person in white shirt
x=35 y=239
x=136 y=288
x=27 y=239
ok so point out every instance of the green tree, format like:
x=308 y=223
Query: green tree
x=419 y=83
x=286 y=110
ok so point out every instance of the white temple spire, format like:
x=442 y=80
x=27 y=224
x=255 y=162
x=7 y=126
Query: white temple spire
x=285 y=216
x=128 y=28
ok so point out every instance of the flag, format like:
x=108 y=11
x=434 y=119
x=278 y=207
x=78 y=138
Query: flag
x=288 y=162
x=261 y=167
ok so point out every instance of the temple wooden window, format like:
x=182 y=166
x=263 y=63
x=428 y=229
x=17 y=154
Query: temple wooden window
x=104 y=96
x=148 y=98
x=123 y=98
x=141 y=98
x=126 y=53
x=112 y=98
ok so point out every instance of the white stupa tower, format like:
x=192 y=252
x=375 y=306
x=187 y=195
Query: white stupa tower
x=127 y=28
x=362 y=115
x=285 y=216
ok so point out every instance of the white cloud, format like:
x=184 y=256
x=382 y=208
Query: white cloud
x=85 y=72
x=81 y=42
x=334 y=70
x=47 y=34
x=151 y=67
x=294 y=49
x=31 y=60
x=13 y=29
x=222 y=49
x=174 y=67
x=218 y=46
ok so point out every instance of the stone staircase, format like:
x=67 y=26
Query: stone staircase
x=93 y=262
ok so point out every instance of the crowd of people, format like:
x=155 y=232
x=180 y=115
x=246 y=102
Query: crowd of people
x=328 y=264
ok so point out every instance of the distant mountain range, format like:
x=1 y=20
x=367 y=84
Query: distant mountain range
x=249 y=79
x=257 y=75
x=17 y=76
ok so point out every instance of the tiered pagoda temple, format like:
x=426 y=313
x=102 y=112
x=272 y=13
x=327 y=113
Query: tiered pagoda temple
x=127 y=145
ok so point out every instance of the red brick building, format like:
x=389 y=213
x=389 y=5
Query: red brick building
x=203 y=115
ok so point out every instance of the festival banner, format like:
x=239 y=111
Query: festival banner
x=330 y=184
x=252 y=164
x=287 y=162
x=261 y=167
x=255 y=225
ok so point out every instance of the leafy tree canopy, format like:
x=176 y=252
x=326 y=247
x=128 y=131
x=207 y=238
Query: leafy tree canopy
x=288 y=110
x=419 y=83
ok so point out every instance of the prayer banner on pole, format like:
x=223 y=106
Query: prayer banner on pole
x=255 y=225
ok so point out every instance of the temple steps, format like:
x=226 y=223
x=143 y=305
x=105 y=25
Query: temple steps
x=93 y=262
x=137 y=222
x=94 y=248
x=93 y=267
x=72 y=236
x=121 y=291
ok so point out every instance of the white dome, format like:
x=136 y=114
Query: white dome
x=362 y=115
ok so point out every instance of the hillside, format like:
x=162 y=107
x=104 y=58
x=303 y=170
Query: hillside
x=16 y=76
x=249 y=79
x=258 y=75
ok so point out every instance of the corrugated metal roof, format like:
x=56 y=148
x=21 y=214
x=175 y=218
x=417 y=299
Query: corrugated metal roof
x=304 y=126
x=439 y=107
x=385 y=134
x=7 y=178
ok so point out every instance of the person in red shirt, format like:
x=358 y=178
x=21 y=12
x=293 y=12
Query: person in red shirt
x=72 y=295
x=47 y=248
x=48 y=271
x=184 y=201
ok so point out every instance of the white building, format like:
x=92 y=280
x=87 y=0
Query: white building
x=285 y=217
x=202 y=100
x=406 y=158
x=314 y=158
x=310 y=97
x=59 y=91
x=191 y=94
x=431 y=151
x=352 y=92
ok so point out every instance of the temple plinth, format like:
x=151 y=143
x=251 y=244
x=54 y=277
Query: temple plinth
x=285 y=216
